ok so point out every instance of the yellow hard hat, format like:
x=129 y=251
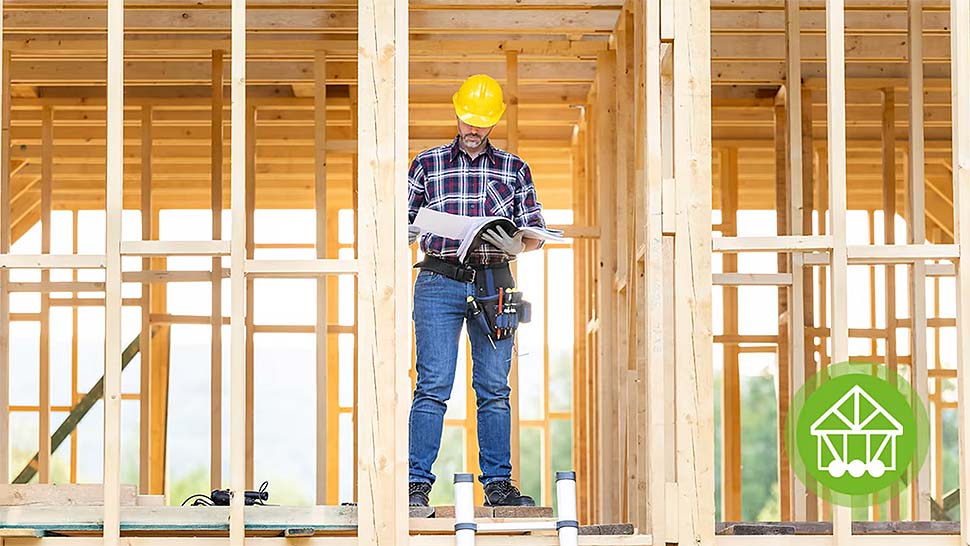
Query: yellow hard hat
x=478 y=101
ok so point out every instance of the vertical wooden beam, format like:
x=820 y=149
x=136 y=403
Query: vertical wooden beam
x=628 y=238
x=159 y=370
x=796 y=301
x=783 y=193
x=384 y=277
x=46 y=182
x=655 y=384
x=239 y=181
x=333 y=378
x=731 y=406
x=4 y=274
x=320 y=202
x=916 y=227
x=692 y=269
x=638 y=330
x=145 y=339
x=606 y=178
x=512 y=135
x=74 y=349
x=668 y=203
x=835 y=90
x=581 y=378
x=806 y=502
x=215 y=323
x=355 y=190
x=512 y=99
x=250 y=292
x=591 y=419
x=889 y=238
x=960 y=93
x=620 y=281
x=112 y=290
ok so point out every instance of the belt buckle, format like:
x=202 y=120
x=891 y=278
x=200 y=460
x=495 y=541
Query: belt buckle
x=469 y=274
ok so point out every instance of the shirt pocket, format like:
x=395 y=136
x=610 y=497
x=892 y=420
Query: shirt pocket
x=500 y=198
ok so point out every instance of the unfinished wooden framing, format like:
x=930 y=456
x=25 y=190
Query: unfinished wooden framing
x=663 y=107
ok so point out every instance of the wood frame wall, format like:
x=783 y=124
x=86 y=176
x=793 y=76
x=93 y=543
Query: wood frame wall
x=644 y=273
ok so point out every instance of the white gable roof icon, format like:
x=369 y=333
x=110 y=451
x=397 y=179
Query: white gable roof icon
x=858 y=420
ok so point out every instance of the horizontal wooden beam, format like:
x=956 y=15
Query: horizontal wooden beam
x=752 y=279
x=299 y=268
x=295 y=19
x=803 y=243
x=895 y=254
x=51 y=261
x=175 y=248
x=261 y=72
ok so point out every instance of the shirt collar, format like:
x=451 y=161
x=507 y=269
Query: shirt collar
x=455 y=151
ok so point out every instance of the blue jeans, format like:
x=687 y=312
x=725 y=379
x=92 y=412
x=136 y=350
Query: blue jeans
x=439 y=312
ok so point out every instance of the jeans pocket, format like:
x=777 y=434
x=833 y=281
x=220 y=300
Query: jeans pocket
x=426 y=277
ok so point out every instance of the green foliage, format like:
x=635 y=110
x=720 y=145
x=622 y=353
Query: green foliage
x=759 y=447
x=195 y=481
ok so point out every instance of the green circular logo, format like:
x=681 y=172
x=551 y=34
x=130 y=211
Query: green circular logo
x=855 y=433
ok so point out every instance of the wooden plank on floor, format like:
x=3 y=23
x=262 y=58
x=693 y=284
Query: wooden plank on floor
x=61 y=495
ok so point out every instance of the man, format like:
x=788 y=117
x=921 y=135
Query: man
x=469 y=177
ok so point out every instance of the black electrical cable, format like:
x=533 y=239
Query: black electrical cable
x=221 y=497
x=200 y=500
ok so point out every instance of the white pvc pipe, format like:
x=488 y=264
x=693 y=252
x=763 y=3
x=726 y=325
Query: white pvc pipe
x=517 y=526
x=568 y=525
x=465 y=510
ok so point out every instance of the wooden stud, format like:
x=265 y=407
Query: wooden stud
x=669 y=200
x=251 y=117
x=960 y=93
x=215 y=313
x=145 y=343
x=333 y=378
x=625 y=218
x=916 y=228
x=655 y=384
x=605 y=116
x=889 y=238
x=112 y=291
x=731 y=412
x=638 y=328
x=835 y=73
x=320 y=196
x=159 y=370
x=384 y=278
x=238 y=338
x=692 y=269
x=785 y=331
x=4 y=275
x=805 y=502
x=796 y=301
x=355 y=189
x=44 y=417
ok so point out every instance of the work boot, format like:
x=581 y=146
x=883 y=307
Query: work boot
x=503 y=493
x=418 y=493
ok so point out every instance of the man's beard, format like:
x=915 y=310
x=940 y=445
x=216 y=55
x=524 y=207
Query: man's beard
x=472 y=141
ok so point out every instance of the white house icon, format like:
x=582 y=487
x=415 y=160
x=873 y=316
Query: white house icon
x=856 y=419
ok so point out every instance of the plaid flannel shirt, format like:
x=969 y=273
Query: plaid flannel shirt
x=496 y=183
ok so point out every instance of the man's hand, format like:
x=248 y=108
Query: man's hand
x=413 y=232
x=508 y=244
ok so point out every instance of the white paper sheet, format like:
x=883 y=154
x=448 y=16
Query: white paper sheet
x=450 y=226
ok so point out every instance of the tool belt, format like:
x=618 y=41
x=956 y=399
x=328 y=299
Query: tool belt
x=497 y=307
